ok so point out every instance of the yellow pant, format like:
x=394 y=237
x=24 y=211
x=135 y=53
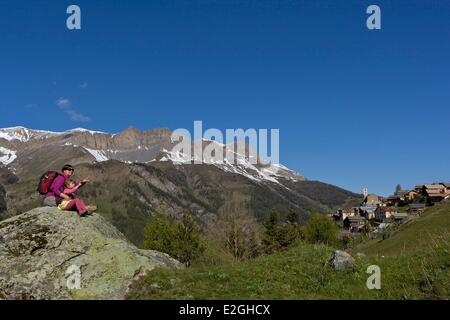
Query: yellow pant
x=63 y=204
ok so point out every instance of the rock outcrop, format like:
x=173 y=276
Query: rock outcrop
x=51 y=254
x=341 y=261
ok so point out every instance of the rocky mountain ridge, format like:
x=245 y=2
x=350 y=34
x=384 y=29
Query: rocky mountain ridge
x=18 y=144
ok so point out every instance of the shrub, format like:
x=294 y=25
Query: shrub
x=238 y=232
x=159 y=233
x=278 y=236
x=181 y=240
x=320 y=229
x=291 y=233
x=292 y=216
x=215 y=254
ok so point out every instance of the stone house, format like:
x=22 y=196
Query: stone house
x=383 y=213
x=368 y=211
x=342 y=214
x=355 y=223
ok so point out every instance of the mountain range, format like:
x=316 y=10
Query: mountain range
x=134 y=173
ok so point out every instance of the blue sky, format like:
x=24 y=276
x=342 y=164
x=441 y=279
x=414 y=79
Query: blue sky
x=354 y=107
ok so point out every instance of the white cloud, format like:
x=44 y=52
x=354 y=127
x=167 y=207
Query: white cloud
x=77 y=117
x=63 y=103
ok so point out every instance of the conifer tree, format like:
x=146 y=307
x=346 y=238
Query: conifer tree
x=272 y=235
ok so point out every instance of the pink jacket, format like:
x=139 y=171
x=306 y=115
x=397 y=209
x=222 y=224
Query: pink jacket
x=57 y=187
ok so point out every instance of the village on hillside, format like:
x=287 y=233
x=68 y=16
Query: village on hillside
x=377 y=212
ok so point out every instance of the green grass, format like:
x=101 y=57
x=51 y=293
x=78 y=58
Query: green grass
x=417 y=235
x=415 y=264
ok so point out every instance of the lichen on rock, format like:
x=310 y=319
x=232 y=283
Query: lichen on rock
x=38 y=247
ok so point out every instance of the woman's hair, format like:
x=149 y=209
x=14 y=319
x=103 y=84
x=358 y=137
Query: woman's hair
x=67 y=167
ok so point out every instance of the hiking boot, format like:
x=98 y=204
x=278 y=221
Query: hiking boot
x=84 y=214
x=91 y=208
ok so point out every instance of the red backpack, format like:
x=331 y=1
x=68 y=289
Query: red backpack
x=45 y=182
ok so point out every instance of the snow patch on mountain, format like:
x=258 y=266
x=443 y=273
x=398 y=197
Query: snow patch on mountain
x=278 y=170
x=241 y=166
x=23 y=134
x=176 y=157
x=9 y=135
x=7 y=156
x=85 y=130
x=99 y=155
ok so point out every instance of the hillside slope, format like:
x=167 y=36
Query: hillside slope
x=408 y=271
x=421 y=235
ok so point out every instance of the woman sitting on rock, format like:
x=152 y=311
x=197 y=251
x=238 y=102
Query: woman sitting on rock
x=56 y=194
